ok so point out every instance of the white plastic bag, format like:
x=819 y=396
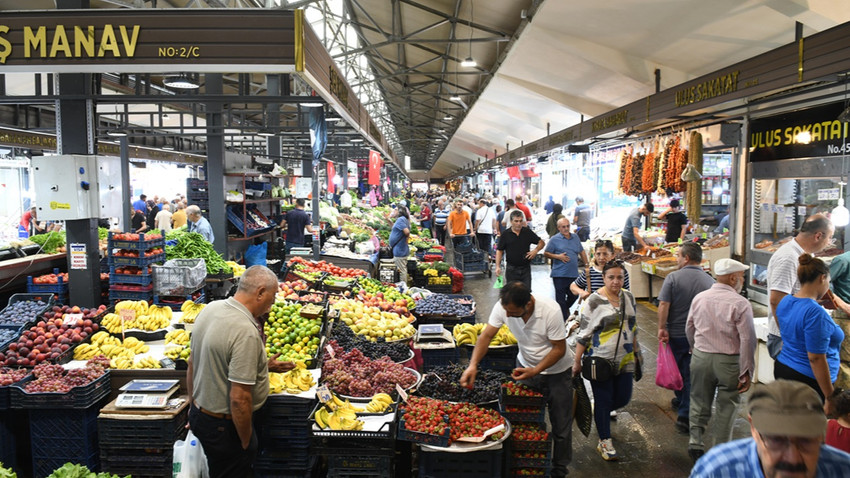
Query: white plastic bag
x=189 y=458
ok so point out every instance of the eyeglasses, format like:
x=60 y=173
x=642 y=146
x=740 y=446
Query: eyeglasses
x=778 y=443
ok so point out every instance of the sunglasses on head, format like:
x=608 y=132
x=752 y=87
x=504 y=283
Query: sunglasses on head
x=605 y=243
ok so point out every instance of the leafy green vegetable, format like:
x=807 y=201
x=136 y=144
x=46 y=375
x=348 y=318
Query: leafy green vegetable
x=7 y=472
x=102 y=233
x=50 y=241
x=153 y=231
x=425 y=232
x=71 y=470
x=441 y=266
x=175 y=234
x=191 y=245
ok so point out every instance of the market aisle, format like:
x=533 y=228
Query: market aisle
x=644 y=432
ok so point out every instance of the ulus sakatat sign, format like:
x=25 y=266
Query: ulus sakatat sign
x=809 y=133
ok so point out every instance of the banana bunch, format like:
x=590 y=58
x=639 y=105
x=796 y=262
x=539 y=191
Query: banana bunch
x=158 y=321
x=135 y=345
x=140 y=306
x=342 y=417
x=86 y=352
x=468 y=334
x=175 y=353
x=379 y=403
x=103 y=338
x=190 y=311
x=178 y=336
x=125 y=363
x=238 y=269
x=293 y=382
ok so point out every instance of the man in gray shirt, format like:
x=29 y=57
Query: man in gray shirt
x=674 y=302
x=581 y=218
x=631 y=231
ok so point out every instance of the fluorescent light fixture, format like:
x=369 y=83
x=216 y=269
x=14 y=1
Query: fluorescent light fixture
x=454 y=97
x=333 y=120
x=469 y=62
x=313 y=104
x=447 y=118
x=265 y=132
x=117 y=133
x=181 y=81
x=357 y=140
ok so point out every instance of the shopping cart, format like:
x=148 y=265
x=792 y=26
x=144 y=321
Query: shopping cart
x=468 y=259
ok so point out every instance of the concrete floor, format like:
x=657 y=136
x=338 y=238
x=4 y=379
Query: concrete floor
x=644 y=433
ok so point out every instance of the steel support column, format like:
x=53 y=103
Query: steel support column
x=215 y=162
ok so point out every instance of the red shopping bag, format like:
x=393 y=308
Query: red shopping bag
x=667 y=372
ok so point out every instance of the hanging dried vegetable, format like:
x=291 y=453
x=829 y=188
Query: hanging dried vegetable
x=636 y=185
x=676 y=162
x=648 y=174
x=621 y=167
x=628 y=161
x=660 y=167
x=693 y=203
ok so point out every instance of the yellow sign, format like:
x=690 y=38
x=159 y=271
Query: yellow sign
x=73 y=42
x=712 y=88
x=59 y=205
x=610 y=121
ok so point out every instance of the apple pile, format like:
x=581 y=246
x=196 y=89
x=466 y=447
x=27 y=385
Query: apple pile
x=51 y=336
x=54 y=378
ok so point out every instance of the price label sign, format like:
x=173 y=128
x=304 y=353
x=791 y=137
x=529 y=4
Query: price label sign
x=330 y=350
x=401 y=392
x=72 y=318
x=127 y=315
x=324 y=394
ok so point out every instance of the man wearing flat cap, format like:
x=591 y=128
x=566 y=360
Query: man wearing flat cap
x=722 y=337
x=788 y=425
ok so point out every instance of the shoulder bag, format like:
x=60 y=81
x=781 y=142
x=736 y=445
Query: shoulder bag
x=602 y=369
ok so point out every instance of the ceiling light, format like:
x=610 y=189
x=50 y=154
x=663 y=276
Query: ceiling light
x=117 y=133
x=333 y=120
x=447 y=118
x=313 y=104
x=469 y=62
x=357 y=140
x=455 y=97
x=265 y=132
x=181 y=81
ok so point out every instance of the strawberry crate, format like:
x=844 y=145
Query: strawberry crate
x=117 y=241
x=523 y=414
x=530 y=471
x=531 y=445
x=82 y=397
x=423 y=438
x=520 y=400
x=531 y=459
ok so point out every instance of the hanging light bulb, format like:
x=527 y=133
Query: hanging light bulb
x=840 y=215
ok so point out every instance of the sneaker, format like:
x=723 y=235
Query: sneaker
x=683 y=425
x=614 y=415
x=695 y=454
x=606 y=449
x=675 y=403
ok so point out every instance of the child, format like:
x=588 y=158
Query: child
x=838 y=430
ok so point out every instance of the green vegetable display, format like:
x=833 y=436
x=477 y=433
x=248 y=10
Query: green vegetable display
x=7 y=472
x=102 y=233
x=192 y=245
x=175 y=234
x=50 y=241
x=71 y=470
x=425 y=233
x=441 y=266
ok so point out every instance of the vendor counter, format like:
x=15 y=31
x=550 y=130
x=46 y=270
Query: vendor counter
x=14 y=272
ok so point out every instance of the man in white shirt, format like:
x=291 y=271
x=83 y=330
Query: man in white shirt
x=485 y=225
x=814 y=236
x=544 y=362
x=162 y=220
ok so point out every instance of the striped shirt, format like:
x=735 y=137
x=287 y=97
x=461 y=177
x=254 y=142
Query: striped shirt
x=440 y=216
x=721 y=322
x=782 y=275
x=740 y=459
x=596 y=281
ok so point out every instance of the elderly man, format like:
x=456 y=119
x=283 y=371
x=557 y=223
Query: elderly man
x=631 y=231
x=227 y=377
x=674 y=302
x=162 y=221
x=515 y=244
x=787 y=426
x=441 y=215
x=814 y=236
x=543 y=362
x=564 y=250
x=721 y=333
x=198 y=223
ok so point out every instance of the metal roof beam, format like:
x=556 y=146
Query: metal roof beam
x=454 y=18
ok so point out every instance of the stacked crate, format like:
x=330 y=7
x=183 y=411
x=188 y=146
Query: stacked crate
x=526 y=457
x=197 y=193
x=59 y=290
x=140 y=442
x=131 y=278
x=284 y=438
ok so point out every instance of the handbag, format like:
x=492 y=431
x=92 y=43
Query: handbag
x=582 y=409
x=602 y=369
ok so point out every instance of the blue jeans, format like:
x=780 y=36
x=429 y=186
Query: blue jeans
x=608 y=396
x=563 y=295
x=426 y=224
x=682 y=353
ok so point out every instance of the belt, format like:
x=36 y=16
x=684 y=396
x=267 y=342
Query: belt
x=220 y=416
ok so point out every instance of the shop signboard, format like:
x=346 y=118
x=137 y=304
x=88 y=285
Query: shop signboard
x=147 y=40
x=809 y=133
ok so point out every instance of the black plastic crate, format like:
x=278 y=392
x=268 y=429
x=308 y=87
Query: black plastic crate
x=519 y=400
x=439 y=288
x=60 y=436
x=536 y=415
x=501 y=359
x=5 y=393
x=77 y=398
x=283 y=457
x=423 y=438
x=138 y=463
x=278 y=406
x=119 y=295
x=262 y=471
x=523 y=472
x=48 y=298
x=483 y=464
x=432 y=358
x=532 y=445
x=294 y=432
x=118 y=433
x=195 y=183
x=340 y=466
x=8 y=439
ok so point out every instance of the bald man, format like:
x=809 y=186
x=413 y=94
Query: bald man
x=564 y=249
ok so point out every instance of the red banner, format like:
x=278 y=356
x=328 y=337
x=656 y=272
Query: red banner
x=375 y=165
x=331 y=177
x=513 y=172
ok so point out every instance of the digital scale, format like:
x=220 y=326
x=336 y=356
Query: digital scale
x=433 y=336
x=387 y=271
x=146 y=393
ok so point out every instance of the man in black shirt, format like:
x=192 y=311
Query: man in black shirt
x=676 y=221
x=296 y=221
x=138 y=220
x=514 y=243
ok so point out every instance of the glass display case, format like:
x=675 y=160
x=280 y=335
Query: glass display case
x=716 y=184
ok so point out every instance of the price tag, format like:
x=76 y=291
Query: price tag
x=72 y=318
x=330 y=350
x=401 y=392
x=127 y=315
x=801 y=210
x=323 y=394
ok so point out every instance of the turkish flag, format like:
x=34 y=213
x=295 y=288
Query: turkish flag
x=513 y=172
x=331 y=177
x=375 y=164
